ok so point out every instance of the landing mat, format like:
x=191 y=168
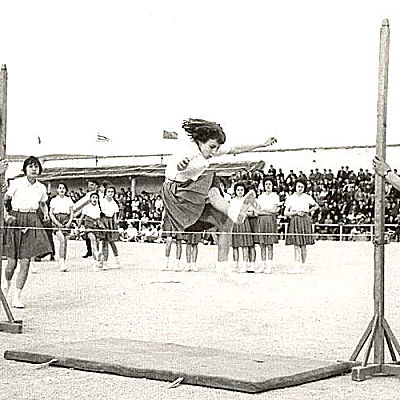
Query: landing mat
x=250 y=373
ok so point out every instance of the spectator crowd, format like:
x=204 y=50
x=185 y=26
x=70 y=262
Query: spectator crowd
x=345 y=197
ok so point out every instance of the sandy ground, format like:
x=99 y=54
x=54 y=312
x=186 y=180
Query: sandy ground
x=320 y=314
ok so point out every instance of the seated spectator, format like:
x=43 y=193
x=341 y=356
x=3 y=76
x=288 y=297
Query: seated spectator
x=130 y=234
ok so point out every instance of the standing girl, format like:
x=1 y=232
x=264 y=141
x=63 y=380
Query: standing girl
x=25 y=237
x=93 y=228
x=241 y=233
x=110 y=209
x=61 y=215
x=267 y=210
x=298 y=208
x=191 y=195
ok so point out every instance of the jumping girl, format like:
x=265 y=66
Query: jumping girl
x=110 y=210
x=25 y=237
x=61 y=215
x=190 y=193
x=298 y=207
x=267 y=210
x=93 y=228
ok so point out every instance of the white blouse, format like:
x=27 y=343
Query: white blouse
x=26 y=196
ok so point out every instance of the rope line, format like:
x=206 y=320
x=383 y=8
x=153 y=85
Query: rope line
x=79 y=231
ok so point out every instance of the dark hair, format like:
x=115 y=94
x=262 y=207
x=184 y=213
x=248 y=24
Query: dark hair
x=302 y=181
x=269 y=179
x=63 y=183
x=240 y=183
x=94 y=194
x=200 y=130
x=32 y=160
x=111 y=187
x=93 y=181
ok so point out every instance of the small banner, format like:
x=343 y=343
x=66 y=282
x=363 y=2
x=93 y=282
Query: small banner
x=102 y=138
x=170 y=135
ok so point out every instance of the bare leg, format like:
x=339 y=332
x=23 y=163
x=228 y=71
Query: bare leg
x=168 y=245
x=188 y=253
x=20 y=283
x=114 y=248
x=105 y=249
x=178 y=255
x=9 y=272
x=303 y=250
x=263 y=252
x=270 y=251
x=195 y=252
x=297 y=253
x=62 y=240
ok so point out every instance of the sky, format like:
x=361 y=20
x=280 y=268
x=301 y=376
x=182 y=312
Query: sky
x=304 y=71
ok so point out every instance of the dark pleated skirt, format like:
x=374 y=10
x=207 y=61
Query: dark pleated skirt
x=63 y=219
x=302 y=228
x=241 y=237
x=23 y=240
x=254 y=229
x=94 y=226
x=268 y=224
x=186 y=205
x=111 y=233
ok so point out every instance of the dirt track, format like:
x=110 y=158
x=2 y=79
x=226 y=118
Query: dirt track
x=320 y=314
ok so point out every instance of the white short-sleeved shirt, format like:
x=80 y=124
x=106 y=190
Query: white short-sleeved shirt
x=91 y=210
x=24 y=195
x=300 y=203
x=197 y=164
x=109 y=208
x=61 y=205
x=268 y=201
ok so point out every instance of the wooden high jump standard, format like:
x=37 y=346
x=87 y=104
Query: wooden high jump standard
x=12 y=325
x=378 y=329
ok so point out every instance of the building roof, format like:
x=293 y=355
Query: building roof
x=152 y=170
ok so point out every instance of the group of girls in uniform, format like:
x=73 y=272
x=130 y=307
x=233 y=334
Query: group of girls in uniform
x=25 y=237
x=260 y=227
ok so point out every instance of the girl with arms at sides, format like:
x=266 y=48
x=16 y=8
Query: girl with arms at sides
x=267 y=210
x=190 y=193
x=298 y=207
x=241 y=234
x=25 y=236
x=61 y=215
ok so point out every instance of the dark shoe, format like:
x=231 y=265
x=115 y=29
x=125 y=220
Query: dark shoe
x=87 y=255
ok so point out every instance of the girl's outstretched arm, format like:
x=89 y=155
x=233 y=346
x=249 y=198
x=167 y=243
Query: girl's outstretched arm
x=250 y=147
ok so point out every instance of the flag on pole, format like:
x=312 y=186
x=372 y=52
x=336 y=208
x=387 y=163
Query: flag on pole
x=102 y=138
x=170 y=135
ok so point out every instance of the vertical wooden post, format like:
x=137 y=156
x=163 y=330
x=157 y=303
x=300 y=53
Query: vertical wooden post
x=379 y=245
x=3 y=129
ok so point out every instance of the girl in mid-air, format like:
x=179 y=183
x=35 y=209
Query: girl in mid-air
x=191 y=194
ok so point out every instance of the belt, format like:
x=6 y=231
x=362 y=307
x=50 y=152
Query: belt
x=25 y=210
